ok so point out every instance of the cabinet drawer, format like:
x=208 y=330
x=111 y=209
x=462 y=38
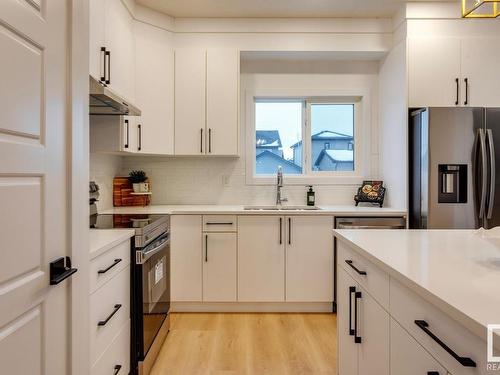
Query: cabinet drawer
x=372 y=278
x=117 y=354
x=219 y=223
x=109 y=310
x=107 y=265
x=407 y=307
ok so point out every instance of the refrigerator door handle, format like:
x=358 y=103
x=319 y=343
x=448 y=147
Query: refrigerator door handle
x=492 y=176
x=481 y=142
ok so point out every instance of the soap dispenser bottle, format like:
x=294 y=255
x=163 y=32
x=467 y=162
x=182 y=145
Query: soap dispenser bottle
x=311 y=199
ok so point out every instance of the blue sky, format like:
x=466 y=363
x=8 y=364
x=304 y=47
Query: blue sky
x=286 y=117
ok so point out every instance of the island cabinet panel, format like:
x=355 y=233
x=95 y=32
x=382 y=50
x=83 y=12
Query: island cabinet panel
x=309 y=259
x=186 y=258
x=261 y=259
x=409 y=357
x=363 y=330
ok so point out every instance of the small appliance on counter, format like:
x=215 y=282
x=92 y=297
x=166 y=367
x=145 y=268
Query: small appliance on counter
x=93 y=198
x=371 y=192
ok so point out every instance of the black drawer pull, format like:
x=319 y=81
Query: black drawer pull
x=464 y=361
x=119 y=367
x=349 y=262
x=214 y=223
x=104 y=322
x=107 y=269
x=352 y=290
x=432 y=372
x=357 y=339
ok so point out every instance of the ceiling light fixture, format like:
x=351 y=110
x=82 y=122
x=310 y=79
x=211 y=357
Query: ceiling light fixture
x=480 y=8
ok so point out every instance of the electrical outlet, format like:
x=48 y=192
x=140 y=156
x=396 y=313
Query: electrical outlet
x=226 y=180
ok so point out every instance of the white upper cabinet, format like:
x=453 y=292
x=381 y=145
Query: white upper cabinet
x=480 y=62
x=154 y=82
x=190 y=88
x=112 y=46
x=206 y=101
x=434 y=71
x=222 y=101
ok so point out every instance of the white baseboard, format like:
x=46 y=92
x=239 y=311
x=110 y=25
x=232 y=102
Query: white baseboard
x=251 y=307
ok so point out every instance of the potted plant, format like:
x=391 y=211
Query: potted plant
x=138 y=180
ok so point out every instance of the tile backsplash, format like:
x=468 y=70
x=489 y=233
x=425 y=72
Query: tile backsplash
x=103 y=168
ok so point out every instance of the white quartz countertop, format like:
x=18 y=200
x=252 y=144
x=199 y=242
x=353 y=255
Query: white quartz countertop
x=101 y=240
x=456 y=270
x=339 y=210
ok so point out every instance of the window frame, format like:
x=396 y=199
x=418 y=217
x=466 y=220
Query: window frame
x=360 y=98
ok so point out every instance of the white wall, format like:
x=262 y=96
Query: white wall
x=103 y=168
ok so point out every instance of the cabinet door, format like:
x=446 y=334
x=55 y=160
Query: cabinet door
x=154 y=72
x=120 y=42
x=222 y=101
x=130 y=133
x=434 y=66
x=480 y=62
x=186 y=258
x=408 y=357
x=261 y=259
x=219 y=267
x=347 y=348
x=373 y=328
x=309 y=259
x=96 y=37
x=190 y=80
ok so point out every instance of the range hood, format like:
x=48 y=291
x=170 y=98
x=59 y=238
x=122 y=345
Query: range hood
x=103 y=101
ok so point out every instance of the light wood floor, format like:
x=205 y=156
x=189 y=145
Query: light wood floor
x=250 y=344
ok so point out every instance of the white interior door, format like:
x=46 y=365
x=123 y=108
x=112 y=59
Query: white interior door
x=34 y=221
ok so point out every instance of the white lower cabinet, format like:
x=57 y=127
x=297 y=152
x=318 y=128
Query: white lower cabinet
x=261 y=259
x=409 y=357
x=219 y=267
x=363 y=330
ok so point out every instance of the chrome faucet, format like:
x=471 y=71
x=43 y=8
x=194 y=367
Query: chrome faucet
x=279 y=185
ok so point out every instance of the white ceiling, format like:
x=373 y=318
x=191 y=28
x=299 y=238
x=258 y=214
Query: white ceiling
x=276 y=8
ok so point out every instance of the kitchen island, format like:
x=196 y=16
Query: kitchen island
x=429 y=292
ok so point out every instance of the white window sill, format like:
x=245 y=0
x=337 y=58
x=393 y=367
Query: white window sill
x=345 y=179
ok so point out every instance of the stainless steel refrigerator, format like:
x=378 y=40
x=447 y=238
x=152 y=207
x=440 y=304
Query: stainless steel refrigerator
x=454 y=154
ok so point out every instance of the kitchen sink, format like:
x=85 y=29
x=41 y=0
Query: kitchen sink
x=282 y=208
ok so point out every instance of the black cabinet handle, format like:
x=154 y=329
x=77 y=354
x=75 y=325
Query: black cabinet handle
x=357 y=339
x=201 y=141
x=104 y=322
x=139 y=147
x=289 y=231
x=464 y=361
x=458 y=90
x=349 y=262
x=111 y=266
x=107 y=56
x=209 y=140
x=60 y=270
x=206 y=248
x=219 y=223
x=352 y=290
x=281 y=230
x=119 y=367
x=127 y=131
x=103 y=57
x=466 y=80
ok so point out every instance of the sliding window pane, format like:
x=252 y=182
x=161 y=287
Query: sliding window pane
x=332 y=137
x=278 y=137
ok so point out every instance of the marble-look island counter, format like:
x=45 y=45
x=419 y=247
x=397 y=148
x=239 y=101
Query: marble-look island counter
x=440 y=281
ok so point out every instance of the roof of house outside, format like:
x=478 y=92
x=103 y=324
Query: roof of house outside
x=326 y=135
x=267 y=138
x=277 y=157
x=336 y=156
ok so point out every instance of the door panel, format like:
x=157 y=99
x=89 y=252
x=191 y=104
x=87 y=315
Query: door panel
x=347 y=349
x=309 y=259
x=261 y=259
x=493 y=123
x=33 y=186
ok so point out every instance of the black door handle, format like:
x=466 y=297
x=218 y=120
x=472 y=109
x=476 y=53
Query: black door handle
x=466 y=80
x=111 y=266
x=349 y=262
x=60 y=269
x=139 y=148
x=108 y=77
x=119 y=367
x=103 y=56
x=352 y=290
x=104 y=322
x=458 y=90
x=281 y=231
x=206 y=248
x=214 y=223
x=127 y=129
x=201 y=141
x=209 y=140
x=464 y=361
x=357 y=339
x=289 y=230
x=432 y=372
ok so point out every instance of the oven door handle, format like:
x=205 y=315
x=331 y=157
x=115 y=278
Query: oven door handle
x=141 y=257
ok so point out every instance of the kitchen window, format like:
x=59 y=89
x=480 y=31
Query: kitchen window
x=307 y=137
